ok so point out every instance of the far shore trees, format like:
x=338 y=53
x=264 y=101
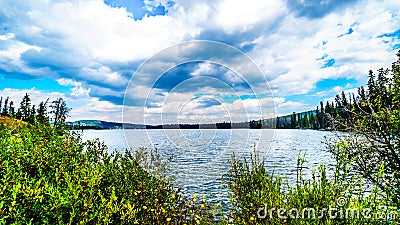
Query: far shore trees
x=29 y=113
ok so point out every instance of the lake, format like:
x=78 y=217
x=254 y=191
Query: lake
x=200 y=157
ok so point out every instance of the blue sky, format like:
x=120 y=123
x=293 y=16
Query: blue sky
x=87 y=51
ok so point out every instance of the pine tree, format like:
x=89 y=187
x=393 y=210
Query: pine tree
x=32 y=114
x=293 y=120
x=25 y=107
x=300 y=124
x=60 y=112
x=18 y=115
x=322 y=114
x=371 y=87
x=344 y=101
x=5 y=107
x=11 y=110
x=396 y=83
x=1 y=102
x=42 y=116
x=382 y=83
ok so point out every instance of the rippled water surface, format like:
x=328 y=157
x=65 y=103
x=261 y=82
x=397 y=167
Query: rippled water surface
x=200 y=157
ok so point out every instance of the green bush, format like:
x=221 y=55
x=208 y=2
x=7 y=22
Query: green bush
x=46 y=178
x=262 y=198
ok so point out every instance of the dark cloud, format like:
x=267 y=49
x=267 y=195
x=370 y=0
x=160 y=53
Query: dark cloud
x=16 y=75
x=208 y=102
x=113 y=99
x=315 y=9
x=242 y=40
x=55 y=60
x=174 y=77
x=195 y=76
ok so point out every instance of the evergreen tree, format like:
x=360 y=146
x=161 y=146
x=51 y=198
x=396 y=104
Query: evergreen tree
x=322 y=116
x=18 y=115
x=300 y=124
x=382 y=83
x=371 y=87
x=318 y=117
x=373 y=146
x=344 y=101
x=25 y=107
x=32 y=114
x=5 y=107
x=42 y=112
x=354 y=101
x=361 y=94
x=11 y=110
x=395 y=91
x=305 y=121
x=60 y=112
x=293 y=120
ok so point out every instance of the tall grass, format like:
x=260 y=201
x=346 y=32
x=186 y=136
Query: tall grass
x=259 y=197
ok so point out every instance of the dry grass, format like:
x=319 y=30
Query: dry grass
x=10 y=122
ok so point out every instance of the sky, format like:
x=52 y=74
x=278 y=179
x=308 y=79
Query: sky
x=162 y=61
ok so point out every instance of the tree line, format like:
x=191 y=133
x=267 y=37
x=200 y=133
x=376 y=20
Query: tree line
x=338 y=114
x=370 y=147
x=55 y=112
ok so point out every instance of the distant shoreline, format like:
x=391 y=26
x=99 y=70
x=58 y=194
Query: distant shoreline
x=104 y=125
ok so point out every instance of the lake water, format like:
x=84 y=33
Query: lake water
x=200 y=157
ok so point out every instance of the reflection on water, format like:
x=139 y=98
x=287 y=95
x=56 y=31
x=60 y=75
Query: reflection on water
x=200 y=157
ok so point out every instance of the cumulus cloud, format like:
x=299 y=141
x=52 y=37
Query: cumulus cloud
x=95 y=49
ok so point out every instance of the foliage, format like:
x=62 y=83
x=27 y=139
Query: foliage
x=59 y=111
x=374 y=124
x=261 y=198
x=28 y=112
x=46 y=178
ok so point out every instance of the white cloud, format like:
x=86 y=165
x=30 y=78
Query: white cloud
x=7 y=36
x=238 y=16
x=80 y=92
x=68 y=82
x=89 y=41
x=289 y=56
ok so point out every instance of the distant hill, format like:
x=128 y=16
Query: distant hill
x=100 y=125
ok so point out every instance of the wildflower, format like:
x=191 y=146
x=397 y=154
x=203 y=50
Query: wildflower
x=168 y=219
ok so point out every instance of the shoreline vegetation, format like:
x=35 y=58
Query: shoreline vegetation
x=49 y=175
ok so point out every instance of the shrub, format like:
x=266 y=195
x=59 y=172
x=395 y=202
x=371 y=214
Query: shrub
x=46 y=178
x=262 y=198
